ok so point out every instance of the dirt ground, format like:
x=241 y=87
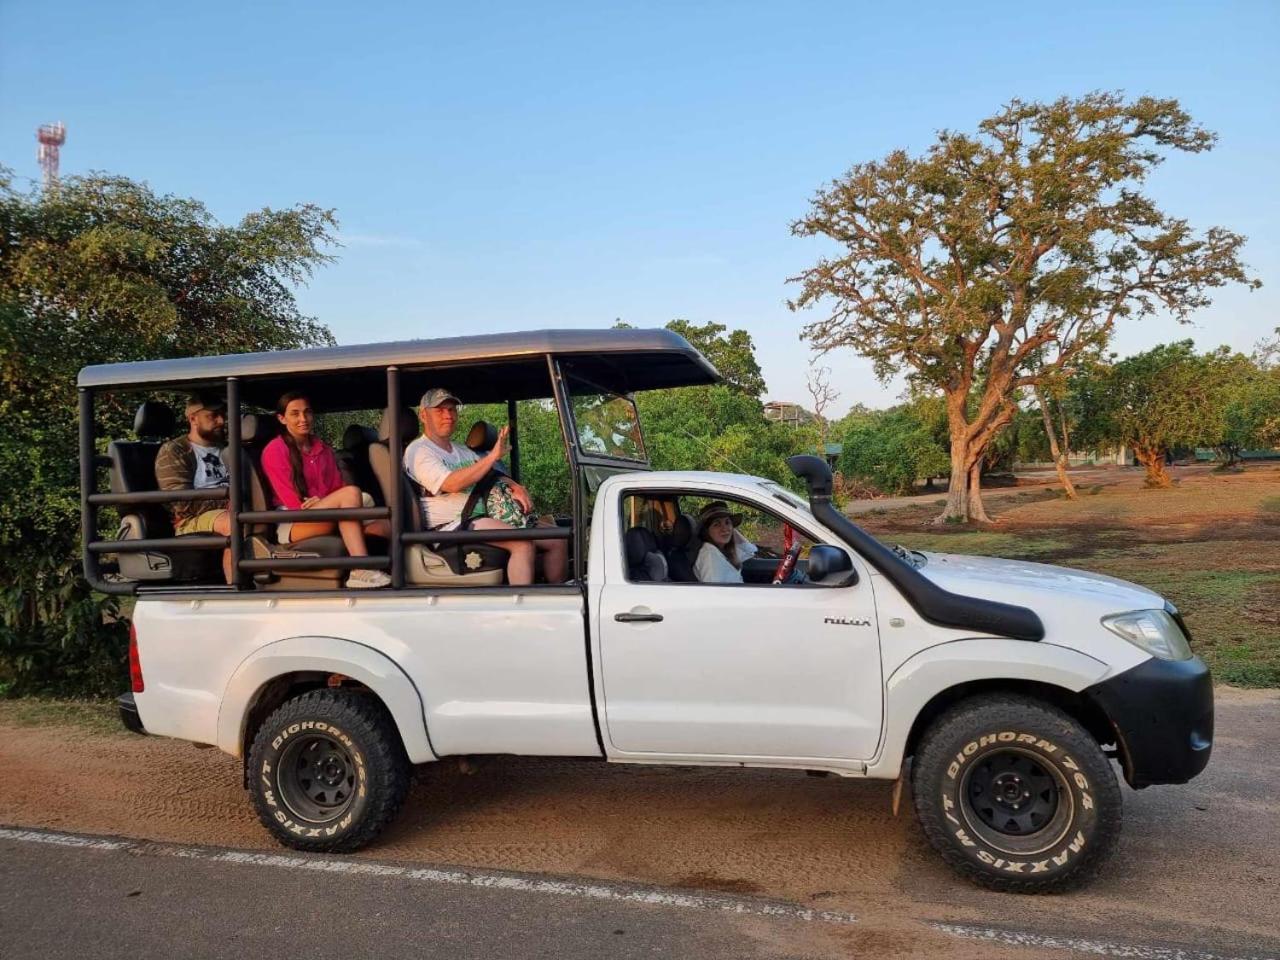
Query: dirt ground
x=1198 y=865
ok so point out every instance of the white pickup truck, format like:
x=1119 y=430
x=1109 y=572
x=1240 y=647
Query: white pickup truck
x=1009 y=686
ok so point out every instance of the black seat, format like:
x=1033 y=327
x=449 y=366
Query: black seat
x=681 y=542
x=471 y=564
x=645 y=562
x=133 y=470
x=483 y=437
x=353 y=461
x=256 y=431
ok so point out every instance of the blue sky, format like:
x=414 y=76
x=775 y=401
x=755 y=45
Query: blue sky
x=527 y=165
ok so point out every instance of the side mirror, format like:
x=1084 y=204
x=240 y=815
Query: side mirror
x=831 y=566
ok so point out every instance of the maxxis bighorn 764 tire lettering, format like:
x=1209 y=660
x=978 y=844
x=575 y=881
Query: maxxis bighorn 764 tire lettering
x=1016 y=795
x=328 y=771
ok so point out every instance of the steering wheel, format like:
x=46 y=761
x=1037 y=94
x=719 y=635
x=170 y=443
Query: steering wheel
x=791 y=553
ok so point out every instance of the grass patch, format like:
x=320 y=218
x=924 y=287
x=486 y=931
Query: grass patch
x=96 y=716
x=1270 y=504
x=1014 y=546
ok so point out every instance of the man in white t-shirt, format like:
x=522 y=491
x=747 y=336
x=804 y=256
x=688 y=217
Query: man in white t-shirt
x=448 y=471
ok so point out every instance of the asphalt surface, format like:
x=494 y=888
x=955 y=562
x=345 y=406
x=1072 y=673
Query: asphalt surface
x=78 y=902
x=1197 y=870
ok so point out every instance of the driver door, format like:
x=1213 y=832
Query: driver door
x=752 y=671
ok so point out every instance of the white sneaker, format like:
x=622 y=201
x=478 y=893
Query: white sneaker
x=367 y=580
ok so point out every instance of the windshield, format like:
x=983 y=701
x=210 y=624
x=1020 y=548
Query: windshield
x=605 y=423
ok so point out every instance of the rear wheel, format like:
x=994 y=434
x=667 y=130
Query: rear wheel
x=1016 y=795
x=328 y=771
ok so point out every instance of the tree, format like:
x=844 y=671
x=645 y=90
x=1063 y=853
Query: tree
x=1251 y=405
x=104 y=270
x=893 y=451
x=1058 y=399
x=1164 y=398
x=823 y=394
x=995 y=260
x=733 y=355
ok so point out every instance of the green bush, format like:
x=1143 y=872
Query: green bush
x=102 y=270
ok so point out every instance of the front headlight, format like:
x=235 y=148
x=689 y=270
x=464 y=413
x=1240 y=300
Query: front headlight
x=1153 y=630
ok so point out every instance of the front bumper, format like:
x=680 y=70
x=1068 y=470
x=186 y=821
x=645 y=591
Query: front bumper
x=129 y=713
x=1162 y=712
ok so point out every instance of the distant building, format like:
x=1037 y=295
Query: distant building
x=784 y=411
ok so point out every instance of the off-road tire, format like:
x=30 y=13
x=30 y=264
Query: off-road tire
x=328 y=771
x=987 y=767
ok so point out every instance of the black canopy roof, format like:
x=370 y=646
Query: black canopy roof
x=487 y=368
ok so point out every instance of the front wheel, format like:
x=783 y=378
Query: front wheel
x=1016 y=795
x=328 y=771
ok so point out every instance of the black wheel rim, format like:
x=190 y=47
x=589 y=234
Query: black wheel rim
x=317 y=778
x=1016 y=801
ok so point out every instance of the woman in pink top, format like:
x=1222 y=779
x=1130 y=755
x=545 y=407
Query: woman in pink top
x=303 y=473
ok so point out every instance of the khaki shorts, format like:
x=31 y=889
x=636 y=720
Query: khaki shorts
x=200 y=523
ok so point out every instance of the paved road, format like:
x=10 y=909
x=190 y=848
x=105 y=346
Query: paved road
x=148 y=901
x=1198 y=867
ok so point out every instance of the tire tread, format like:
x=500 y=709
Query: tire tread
x=385 y=761
x=1014 y=710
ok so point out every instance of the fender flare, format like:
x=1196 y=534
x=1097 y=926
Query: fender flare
x=369 y=666
x=938 y=668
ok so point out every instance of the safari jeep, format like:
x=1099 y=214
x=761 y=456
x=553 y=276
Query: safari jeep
x=1009 y=686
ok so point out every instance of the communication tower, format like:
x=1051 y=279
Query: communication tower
x=50 y=136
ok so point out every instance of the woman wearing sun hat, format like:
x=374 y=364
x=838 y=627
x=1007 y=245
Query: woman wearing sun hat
x=724 y=549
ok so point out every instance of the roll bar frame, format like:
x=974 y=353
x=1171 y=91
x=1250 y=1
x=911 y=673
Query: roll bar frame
x=91 y=499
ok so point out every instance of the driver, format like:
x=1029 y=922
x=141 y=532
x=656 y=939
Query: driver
x=449 y=470
x=724 y=549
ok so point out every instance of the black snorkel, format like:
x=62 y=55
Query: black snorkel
x=932 y=602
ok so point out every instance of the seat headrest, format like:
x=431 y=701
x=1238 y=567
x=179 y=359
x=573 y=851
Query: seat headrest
x=408 y=424
x=357 y=437
x=257 y=428
x=640 y=542
x=153 y=419
x=482 y=437
x=682 y=531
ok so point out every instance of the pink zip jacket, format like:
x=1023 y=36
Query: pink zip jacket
x=319 y=468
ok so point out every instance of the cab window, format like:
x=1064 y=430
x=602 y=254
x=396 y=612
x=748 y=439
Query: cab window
x=693 y=538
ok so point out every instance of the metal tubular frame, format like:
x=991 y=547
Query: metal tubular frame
x=318 y=563
x=192 y=542
x=513 y=438
x=447 y=537
x=155 y=496
x=314 y=515
x=396 y=504
x=88 y=509
x=235 y=491
x=236 y=541
x=565 y=411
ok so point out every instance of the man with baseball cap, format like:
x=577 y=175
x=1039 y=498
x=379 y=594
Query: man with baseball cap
x=194 y=462
x=449 y=470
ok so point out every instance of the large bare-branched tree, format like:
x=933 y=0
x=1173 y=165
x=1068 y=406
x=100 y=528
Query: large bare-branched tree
x=995 y=259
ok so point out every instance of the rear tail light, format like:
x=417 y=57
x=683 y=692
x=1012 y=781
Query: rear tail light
x=135 y=665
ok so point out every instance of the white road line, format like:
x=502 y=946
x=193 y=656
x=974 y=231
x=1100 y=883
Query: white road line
x=1103 y=948
x=63 y=839
x=483 y=879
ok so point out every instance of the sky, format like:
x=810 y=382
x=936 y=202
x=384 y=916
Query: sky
x=516 y=166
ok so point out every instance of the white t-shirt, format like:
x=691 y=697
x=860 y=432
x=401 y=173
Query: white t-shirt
x=712 y=566
x=429 y=465
x=211 y=471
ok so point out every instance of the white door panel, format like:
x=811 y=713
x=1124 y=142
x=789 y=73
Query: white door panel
x=741 y=670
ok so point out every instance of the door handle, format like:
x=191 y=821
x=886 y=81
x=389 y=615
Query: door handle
x=638 y=617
